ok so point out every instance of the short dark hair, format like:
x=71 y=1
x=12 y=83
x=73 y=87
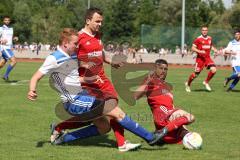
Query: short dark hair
x=204 y=26
x=236 y=31
x=161 y=61
x=89 y=13
x=6 y=17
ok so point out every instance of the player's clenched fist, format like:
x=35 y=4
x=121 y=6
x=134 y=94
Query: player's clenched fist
x=32 y=95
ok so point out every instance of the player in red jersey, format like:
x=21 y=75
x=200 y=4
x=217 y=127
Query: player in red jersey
x=202 y=45
x=90 y=52
x=167 y=118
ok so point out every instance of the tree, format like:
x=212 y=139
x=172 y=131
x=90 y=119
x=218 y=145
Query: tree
x=22 y=19
x=234 y=18
x=121 y=25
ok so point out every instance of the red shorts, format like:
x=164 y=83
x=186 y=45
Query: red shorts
x=102 y=90
x=203 y=62
x=161 y=119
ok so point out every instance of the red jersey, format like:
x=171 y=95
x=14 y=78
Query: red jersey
x=203 y=44
x=90 y=50
x=159 y=94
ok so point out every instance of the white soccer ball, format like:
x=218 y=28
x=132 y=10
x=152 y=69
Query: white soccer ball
x=192 y=140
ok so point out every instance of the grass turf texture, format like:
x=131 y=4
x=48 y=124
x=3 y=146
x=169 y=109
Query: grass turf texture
x=24 y=125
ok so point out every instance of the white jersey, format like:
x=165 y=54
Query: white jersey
x=234 y=46
x=6 y=33
x=64 y=76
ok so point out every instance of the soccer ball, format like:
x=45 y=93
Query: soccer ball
x=192 y=140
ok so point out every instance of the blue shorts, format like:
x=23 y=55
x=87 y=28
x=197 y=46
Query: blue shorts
x=236 y=69
x=7 y=54
x=82 y=103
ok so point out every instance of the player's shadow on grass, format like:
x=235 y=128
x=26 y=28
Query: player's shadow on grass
x=11 y=81
x=149 y=148
x=201 y=90
x=234 y=91
x=101 y=141
x=41 y=143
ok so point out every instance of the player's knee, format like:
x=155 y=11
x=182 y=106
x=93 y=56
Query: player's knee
x=213 y=69
x=13 y=62
x=116 y=114
x=191 y=118
x=105 y=129
x=103 y=126
x=196 y=74
x=2 y=63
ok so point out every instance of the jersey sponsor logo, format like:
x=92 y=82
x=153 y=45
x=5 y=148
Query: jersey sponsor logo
x=164 y=109
x=206 y=46
x=88 y=43
x=95 y=54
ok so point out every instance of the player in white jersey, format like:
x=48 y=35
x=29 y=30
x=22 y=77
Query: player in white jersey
x=62 y=66
x=233 y=49
x=6 y=41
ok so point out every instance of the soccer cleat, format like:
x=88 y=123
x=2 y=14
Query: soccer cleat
x=207 y=86
x=229 y=89
x=127 y=146
x=225 y=82
x=158 y=135
x=187 y=87
x=6 y=79
x=59 y=140
x=55 y=135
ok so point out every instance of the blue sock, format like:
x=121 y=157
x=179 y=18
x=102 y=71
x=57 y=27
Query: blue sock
x=9 y=68
x=86 y=132
x=234 y=83
x=233 y=76
x=135 y=128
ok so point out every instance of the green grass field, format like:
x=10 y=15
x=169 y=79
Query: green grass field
x=24 y=125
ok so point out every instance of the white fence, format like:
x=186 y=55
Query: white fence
x=146 y=58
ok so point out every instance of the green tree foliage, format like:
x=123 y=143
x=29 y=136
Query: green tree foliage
x=234 y=19
x=22 y=25
x=121 y=25
x=41 y=20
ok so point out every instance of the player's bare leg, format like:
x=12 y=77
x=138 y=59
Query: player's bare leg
x=211 y=73
x=190 y=79
x=2 y=63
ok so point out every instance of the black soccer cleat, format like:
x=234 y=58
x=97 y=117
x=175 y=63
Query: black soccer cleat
x=158 y=136
x=6 y=79
x=226 y=81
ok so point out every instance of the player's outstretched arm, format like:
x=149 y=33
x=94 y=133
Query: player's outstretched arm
x=32 y=93
x=140 y=92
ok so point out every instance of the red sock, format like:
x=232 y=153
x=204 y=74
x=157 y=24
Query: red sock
x=191 y=78
x=176 y=123
x=71 y=123
x=209 y=77
x=118 y=132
